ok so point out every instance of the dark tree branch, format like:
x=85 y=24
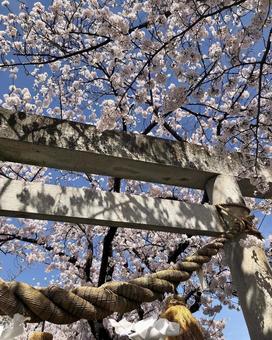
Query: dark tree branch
x=56 y=58
x=180 y=248
x=106 y=271
x=11 y=237
x=99 y=331
x=107 y=244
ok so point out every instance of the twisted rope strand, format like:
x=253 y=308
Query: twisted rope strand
x=60 y=306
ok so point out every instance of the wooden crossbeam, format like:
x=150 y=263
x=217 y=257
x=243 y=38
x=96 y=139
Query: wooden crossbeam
x=36 y=200
x=62 y=144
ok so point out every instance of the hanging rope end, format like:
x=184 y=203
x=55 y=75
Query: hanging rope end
x=40 y=336
x=177 y=311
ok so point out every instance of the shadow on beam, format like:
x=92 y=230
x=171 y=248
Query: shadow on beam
x=74 y=205
x=61 y=144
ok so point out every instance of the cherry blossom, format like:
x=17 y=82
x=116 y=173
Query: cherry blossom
x=194 y=71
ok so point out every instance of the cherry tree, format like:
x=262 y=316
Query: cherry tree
x=195 y=71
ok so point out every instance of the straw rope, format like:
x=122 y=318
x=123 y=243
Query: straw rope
x=60 y=306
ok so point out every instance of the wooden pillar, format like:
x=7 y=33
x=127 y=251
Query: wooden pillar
x=251 y=273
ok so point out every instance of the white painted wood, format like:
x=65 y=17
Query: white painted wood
x=79 y=205
x=250 y=270
x=61 y=144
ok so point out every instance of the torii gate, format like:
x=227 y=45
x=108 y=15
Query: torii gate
x=49 y=142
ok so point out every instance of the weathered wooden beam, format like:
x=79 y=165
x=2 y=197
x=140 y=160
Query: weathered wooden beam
x=79 y=205
x=62 y=144
x=250 y=270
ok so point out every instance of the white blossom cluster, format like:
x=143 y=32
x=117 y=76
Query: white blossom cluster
x=251 y=241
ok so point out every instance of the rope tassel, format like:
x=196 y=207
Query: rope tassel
x=40 y=336
x=176 y=311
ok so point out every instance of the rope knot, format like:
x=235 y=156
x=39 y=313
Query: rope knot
x=236 y=224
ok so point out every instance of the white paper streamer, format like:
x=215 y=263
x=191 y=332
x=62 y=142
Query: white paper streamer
x=201 y=278
x=148 y=329
x=14 y=329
